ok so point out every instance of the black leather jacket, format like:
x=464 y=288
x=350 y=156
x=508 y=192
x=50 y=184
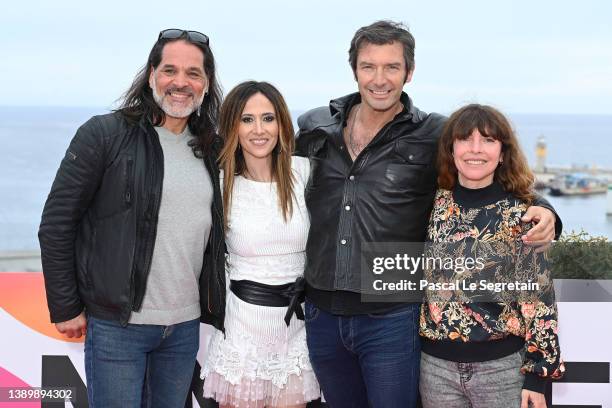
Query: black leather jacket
x=99 y=224
x=385 y=195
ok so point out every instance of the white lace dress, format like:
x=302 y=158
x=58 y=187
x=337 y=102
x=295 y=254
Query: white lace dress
x=262 y=362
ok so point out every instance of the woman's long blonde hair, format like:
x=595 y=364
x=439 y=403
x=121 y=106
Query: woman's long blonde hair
x=231 y=158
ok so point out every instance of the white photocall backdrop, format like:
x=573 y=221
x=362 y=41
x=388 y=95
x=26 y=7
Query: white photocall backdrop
x=585 y=335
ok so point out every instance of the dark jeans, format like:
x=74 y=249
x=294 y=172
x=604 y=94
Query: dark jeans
x=366 y=360
x=139 y=365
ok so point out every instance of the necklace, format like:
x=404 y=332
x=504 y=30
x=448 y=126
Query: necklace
x=247 y=175
x=355 y=148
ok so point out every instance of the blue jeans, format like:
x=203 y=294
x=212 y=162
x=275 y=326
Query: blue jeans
x=366 y=360
x=139 y=365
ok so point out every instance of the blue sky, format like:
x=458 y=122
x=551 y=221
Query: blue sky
x=521 y=56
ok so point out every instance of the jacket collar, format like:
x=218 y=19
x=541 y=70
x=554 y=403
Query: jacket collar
x=344 y=104
x=146 y=124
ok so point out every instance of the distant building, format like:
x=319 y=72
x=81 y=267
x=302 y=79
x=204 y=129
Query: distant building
x=540 y=166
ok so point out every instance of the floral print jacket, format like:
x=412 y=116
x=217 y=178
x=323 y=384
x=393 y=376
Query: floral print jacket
x=493 y=231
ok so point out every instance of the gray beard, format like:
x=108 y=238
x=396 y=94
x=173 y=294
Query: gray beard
x=172 y=111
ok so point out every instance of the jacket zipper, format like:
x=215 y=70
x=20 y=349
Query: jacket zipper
x=216 y=250
x=153 y=208
x=128 y=188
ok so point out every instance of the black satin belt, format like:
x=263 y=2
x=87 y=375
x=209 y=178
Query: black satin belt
x=289 y=294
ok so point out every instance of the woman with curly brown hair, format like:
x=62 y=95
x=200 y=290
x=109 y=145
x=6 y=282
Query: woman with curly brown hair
x=495 y=353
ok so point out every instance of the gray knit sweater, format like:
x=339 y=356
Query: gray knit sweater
x=183 y=229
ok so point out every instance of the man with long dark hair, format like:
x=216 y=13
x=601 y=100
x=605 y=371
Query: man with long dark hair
x=132 y=233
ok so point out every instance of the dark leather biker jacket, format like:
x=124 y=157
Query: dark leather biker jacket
x=99 y=224
x=385 y=195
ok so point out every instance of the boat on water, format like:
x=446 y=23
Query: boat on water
x=577 y=184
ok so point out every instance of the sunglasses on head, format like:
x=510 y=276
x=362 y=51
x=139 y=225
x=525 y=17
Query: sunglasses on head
x=174 y=33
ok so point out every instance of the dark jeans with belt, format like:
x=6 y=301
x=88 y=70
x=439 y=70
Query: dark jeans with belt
x=366 y=360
